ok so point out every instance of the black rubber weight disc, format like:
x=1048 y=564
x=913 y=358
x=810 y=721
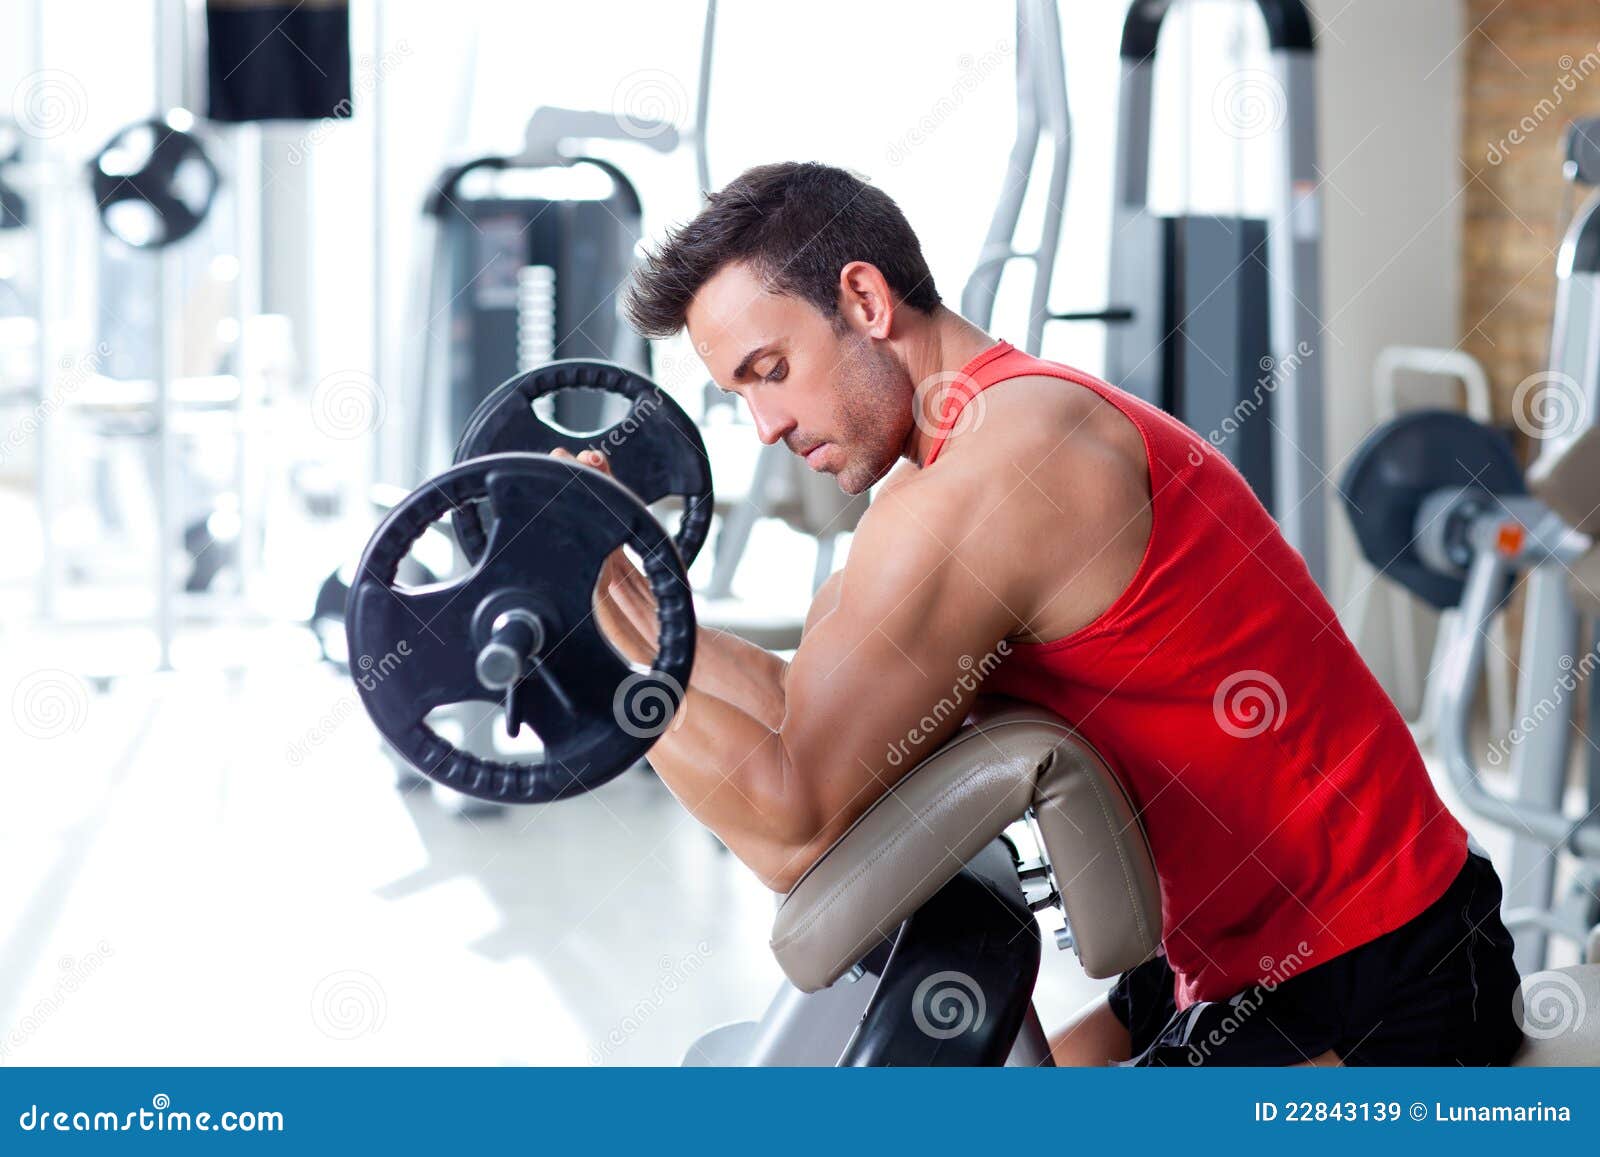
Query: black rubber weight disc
x=655 y=450
x=552 y=524
x=1402 y=461
x=153 y=184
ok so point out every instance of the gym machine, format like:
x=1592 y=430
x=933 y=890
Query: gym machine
x=518 y=279
x=1413 y=691
x=1041 y=100
x=1440 y=505
x=1225 y=329
x=1214 y=319
x=17 y=309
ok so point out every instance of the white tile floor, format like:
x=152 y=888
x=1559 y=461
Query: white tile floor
x=214 y=868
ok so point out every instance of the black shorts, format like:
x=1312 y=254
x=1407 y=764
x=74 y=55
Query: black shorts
x=1435 y=991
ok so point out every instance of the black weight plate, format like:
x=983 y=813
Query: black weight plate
x=552 y=525
x=1401 y=462
x=153 y=184
x=655 y=450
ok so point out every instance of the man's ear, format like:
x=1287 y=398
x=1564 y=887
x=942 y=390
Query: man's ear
x=865 y=300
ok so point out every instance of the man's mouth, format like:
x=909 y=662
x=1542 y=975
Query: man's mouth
x=813 y=456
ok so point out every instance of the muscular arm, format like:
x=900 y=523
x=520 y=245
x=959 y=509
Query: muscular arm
x=726 y=666
x=778 y=759
x=915 y=614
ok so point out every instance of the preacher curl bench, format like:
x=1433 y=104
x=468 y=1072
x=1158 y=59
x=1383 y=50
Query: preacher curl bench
x=912 y=941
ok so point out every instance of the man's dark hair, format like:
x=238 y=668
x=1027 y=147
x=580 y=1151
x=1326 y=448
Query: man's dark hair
x=797 y=225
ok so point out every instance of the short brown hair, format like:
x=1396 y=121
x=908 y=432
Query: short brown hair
x=798 y=224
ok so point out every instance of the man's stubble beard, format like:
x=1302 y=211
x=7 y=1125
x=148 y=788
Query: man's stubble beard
x=875 y=413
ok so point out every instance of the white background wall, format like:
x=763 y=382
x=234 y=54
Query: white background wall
x=1391 y=87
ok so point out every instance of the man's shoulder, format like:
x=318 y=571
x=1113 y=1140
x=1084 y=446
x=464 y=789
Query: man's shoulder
x=1053 y=433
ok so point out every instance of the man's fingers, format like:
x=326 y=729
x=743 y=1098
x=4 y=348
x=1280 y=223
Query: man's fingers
x=592 y=458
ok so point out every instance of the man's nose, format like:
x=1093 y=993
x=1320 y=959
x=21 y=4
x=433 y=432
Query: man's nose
x=771 y=424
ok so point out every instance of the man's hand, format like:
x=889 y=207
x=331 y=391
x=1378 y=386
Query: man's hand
x=624 y=605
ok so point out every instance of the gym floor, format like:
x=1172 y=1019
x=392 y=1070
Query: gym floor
x=266 y=907
x=229 y=873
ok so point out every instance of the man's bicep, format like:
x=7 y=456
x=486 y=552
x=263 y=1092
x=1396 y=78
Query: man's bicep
x=823 y=602
x=889 y=675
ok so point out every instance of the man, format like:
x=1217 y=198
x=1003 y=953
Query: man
x=1320 y=904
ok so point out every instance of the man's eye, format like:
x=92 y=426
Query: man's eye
x=778 y=372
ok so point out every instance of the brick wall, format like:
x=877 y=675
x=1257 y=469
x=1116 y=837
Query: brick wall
x=1530 y=67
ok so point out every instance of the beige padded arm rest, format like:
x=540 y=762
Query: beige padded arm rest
x=1583 y=580
x=1569 y=482
x=1009 y=758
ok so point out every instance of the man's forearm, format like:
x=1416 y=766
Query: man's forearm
x=725 y=666
x=725 y=760
x=740 y=673
x=728 y=768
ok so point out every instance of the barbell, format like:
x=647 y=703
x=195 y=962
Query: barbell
x=518 y=629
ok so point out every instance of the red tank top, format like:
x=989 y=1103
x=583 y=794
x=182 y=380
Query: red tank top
x=1286 y=804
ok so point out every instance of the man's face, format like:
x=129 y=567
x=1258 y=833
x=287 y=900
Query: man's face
x=835 y=396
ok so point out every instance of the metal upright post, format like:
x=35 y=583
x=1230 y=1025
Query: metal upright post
x=702 y=100
x=378 y=461
x=46 y=218
x=246 y=142
x=169 y=37
x=1294 y=259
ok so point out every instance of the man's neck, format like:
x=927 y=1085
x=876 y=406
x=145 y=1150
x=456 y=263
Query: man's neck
x=946 y=342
